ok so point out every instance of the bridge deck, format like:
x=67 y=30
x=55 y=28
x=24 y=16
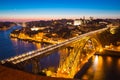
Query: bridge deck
x=12 y=74
x=43 y=51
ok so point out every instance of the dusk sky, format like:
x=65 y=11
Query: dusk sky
x=23 y=10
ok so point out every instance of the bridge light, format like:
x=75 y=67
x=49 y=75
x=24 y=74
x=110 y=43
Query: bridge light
x=101 y=50
x=49 y=73
x=58 y=69
x=106 y=46
x=64 y=69
x=81 y=59
x=68 y=72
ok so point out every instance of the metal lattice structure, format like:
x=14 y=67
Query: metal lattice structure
x=82 y=50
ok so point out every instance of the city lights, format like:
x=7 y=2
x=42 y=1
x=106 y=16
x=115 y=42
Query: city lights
x=60 y=39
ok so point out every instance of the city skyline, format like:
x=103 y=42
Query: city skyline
x=25 y=10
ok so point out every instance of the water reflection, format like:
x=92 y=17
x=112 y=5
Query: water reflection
x=21 y=47
x=103 y=68
x=37 y=45
x=118 y=64
x=109 y=60
x=96 y=61
x=11 y=47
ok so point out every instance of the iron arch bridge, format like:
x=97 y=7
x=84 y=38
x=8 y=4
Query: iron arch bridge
x=79 y=50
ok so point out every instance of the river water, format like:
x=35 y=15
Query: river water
x=100 y=68
x=10 y=47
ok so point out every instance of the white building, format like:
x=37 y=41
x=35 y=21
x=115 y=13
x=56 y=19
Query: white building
x=34 y=28
x=77 y=22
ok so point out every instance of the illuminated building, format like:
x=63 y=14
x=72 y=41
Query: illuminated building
x=69 y=23
x=77 y=22
x=34 y=29
x=38 y=28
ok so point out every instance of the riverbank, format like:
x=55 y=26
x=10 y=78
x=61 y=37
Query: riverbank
x=47 y=41
x=30 y=40
x=109 y=52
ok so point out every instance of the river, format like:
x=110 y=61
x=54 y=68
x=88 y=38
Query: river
x=10 y=46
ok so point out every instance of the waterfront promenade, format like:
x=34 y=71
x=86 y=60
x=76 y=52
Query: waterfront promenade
x=110 y=51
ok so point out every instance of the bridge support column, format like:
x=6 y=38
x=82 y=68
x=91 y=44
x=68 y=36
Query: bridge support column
x=69 y=50
x=35 y=66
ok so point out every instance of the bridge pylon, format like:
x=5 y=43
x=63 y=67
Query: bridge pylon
x=35 y=65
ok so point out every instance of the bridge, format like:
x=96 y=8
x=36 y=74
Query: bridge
x=79 y=50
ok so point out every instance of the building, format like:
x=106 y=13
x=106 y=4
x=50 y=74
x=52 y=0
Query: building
x=77 y=22
x=23 y=24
